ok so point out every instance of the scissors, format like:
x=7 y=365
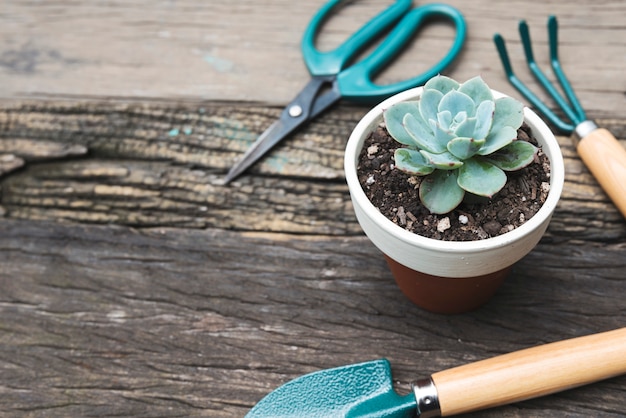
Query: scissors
x=333 y=76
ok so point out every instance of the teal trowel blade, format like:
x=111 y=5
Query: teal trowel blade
x=357 y=390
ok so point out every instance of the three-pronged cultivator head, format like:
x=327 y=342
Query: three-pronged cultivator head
x=573 y=109
x=602 y=153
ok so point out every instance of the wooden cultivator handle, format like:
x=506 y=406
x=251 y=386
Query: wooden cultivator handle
x=531 y=373
x=606 y=159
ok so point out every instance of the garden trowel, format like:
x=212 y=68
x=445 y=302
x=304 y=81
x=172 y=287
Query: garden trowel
x=366 y=389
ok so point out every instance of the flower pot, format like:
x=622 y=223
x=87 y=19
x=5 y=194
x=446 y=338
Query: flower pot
x=449 y=276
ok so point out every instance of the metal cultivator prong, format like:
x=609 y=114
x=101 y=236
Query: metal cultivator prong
x=553 y=27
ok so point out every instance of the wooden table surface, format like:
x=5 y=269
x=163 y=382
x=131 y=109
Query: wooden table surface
x=133 y=284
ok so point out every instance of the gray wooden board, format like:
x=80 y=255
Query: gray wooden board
x=103 y=320
x=249 y=50
x=190 y=298
x=133 y=284
x=161 y=164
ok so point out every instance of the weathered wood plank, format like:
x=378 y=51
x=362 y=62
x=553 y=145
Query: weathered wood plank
x=132 y=283
x=101 y=320
x=249 y=51
x=143 y=194
x=158 y=164
x=9 y=162
x=210 y=135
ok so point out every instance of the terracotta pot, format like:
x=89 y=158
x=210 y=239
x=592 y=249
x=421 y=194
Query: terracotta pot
x=449 y=276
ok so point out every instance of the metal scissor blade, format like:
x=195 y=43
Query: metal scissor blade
x=264 y=142
x=306 y=106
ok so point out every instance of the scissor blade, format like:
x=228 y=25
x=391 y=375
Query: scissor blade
x=279 y=130
x=270 y=137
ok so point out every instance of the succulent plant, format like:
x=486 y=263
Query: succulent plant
x=459 y=137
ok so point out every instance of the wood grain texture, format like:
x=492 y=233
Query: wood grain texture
x=102 y=320
x=132 y=283
x=248 y=50
x=162 y=165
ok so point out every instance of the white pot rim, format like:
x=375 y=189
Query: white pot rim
x=374 y=118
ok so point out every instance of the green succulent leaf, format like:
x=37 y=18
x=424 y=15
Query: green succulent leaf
x=456 y=102
x=442 y=136
x=508 y=112
x=394 y=121
x=442 y=161
x=484 y=119
x=429 y=104
x=442 y=84
x=514 y=156
x=458 y=119
x=498 y=140
x=422 y=136
x=444 y=119
x=481 y=178
x=440 y=192
x=412 y=162
x=464 y=148
x=466 y=128
x=477 y=89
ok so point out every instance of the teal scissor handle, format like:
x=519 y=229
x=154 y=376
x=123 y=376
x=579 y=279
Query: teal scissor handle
x=332 y=62
x=355 y=83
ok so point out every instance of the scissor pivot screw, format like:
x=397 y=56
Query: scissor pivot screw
x=295 y=111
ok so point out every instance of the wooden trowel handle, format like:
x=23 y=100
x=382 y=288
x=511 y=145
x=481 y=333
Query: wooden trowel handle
x=606 y=159
x=531 y=373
